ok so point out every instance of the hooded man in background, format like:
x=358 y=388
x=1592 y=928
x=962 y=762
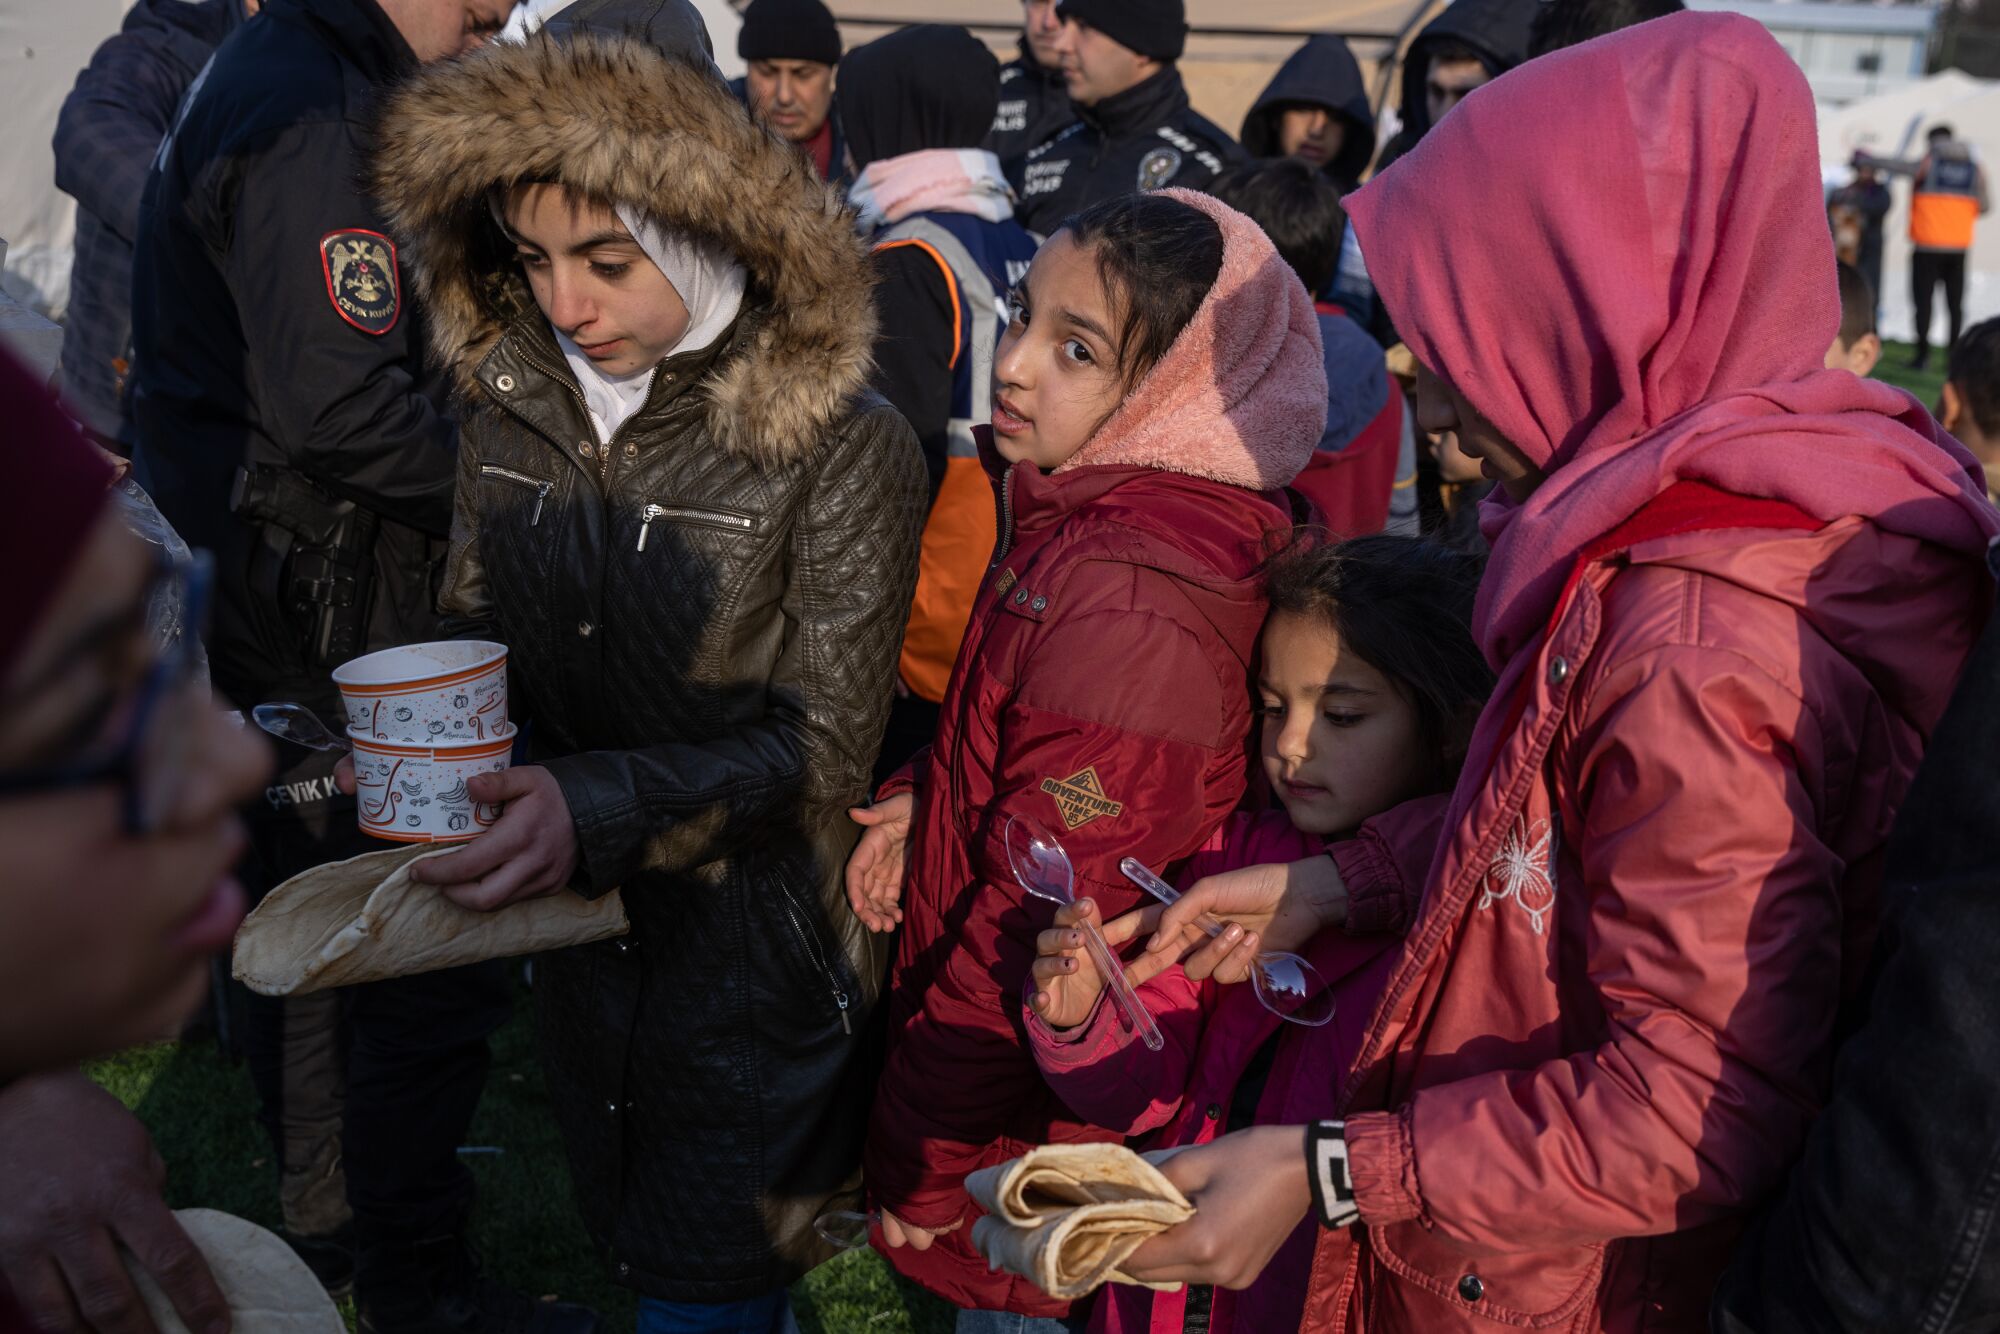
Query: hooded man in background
x=1316 y=109
x=792 y=47
x=1467 y=47
x=1134 y=129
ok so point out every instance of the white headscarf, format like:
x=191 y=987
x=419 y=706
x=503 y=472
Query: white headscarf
x=710 y=281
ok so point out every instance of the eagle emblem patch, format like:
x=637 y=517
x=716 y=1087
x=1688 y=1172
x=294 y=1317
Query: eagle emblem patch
x=1081 y=799
x=1158 y=167
x=361 y=278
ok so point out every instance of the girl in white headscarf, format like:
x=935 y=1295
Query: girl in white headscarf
x=695 y=529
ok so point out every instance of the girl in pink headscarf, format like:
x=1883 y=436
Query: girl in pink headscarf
x=1729 y=595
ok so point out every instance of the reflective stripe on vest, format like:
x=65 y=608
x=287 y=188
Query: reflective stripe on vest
x=973 y=296
x=959 y=535
x=1945 y=206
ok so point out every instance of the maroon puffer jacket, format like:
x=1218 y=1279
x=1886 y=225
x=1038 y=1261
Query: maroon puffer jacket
x=1103 y=690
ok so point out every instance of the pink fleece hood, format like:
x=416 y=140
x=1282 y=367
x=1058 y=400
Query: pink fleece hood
x=1240 y=397
x=1641 y=293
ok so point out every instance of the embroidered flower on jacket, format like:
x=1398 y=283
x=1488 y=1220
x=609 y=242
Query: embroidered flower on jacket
x=1524 y=871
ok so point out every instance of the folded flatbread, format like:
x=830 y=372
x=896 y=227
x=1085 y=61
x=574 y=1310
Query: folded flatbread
x=269 y=1289
x=1065 y=1216
x=365 y=919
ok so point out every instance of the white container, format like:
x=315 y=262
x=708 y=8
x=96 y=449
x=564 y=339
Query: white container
x=417 y=793
x=425 y=694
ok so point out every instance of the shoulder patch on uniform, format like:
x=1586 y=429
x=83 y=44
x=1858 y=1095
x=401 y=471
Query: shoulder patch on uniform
x=1157 y=167
x=1080 y=798
x=361 y=278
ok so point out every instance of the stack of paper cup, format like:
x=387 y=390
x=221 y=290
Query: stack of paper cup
x=424 y=720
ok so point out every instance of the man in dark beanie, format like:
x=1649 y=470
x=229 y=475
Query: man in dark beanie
x=1134 y=128
x=791 y=47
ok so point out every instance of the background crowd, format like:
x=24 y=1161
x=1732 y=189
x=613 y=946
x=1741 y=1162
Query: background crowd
x=1513 y=599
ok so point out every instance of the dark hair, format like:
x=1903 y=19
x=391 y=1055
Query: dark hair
x=1939 y=132
x=1450 y=51
x=1857 y=305
x=1159 y=258
x=1404 y=606
x=1974 y=369
x=1298 y=208
x=1561 y=23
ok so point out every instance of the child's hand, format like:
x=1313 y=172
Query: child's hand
x=1067 y=983
x=898 y=1233
x=875 y=868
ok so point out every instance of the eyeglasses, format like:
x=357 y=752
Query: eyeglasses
x=149 y=757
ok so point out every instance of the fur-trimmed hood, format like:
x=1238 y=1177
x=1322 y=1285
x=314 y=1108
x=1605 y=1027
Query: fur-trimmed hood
x=624 y=121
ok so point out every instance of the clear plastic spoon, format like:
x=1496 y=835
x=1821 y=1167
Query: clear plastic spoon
x=1043 y=869
x=297 y=724
x=1290 y=987
x=845 y=1229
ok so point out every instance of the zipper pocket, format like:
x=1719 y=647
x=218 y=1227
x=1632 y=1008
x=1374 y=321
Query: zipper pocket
x=536 y=484
x=735 y=523
x=809 y=941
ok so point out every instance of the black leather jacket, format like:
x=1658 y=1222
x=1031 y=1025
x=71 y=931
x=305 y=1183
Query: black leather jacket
x=703 y=618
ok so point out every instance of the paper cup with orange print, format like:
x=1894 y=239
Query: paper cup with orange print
x=425 y=694
x=417 y=793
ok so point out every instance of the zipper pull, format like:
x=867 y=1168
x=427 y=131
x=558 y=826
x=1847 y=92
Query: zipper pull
x=646 y=517
x=840 y=999
x=541 y=494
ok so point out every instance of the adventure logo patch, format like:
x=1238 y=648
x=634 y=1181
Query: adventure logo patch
x=1081 y=799
x=361 y=281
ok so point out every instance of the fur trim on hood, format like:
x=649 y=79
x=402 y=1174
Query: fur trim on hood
x=620 y=120
x=1240 y=397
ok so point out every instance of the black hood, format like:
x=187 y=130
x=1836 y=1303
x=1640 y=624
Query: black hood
x=930 y=86
x=1497 y=31
x=672 y=27
x=1320 y=73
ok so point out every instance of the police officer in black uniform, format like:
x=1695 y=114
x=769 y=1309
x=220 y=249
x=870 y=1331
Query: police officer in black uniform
x=1134 y=127
x=284 y=423
x=1034 y=97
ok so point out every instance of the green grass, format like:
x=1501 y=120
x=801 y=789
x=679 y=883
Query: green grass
x=1926 y=384
x=203 y=1118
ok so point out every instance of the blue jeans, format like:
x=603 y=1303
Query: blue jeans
x=769 y=1314
x=1006 y=1322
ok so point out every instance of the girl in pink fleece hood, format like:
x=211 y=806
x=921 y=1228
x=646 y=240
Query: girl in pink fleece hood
x=1729 y=595
x=1159 y=383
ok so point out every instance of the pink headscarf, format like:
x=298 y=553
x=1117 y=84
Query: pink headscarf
x=1617 y=254
x=1240 y=396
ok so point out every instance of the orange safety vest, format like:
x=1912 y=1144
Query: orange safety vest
x=1945 y=204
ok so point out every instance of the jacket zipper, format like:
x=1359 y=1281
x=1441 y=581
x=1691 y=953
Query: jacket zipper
x=810 y=941
x=1006 y=519
x=713 y=518
x=536 y=484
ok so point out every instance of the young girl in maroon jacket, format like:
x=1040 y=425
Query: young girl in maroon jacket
x=1368 y=684
x=1159 y=380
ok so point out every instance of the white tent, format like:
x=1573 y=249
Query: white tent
x=1893 y=126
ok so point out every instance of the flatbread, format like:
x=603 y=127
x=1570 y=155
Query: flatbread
x=1065 y=1216
x=269 y=1289
x=365 y=919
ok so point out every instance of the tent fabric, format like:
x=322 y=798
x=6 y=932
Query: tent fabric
x=1892 y=125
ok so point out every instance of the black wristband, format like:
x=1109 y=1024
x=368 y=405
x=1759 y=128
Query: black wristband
x=1326 y=1167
